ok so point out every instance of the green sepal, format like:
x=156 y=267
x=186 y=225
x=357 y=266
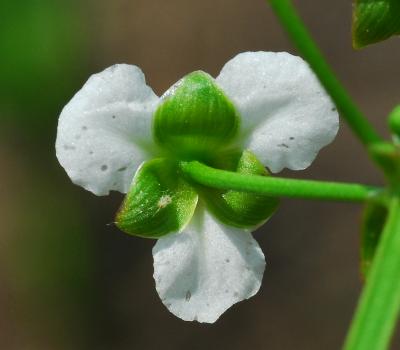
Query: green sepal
x=374 y=218
x=159 y=201
x=235 y=208
x=195 y=118
x=375 y=21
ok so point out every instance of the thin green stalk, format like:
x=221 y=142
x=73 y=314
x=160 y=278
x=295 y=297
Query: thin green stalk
x=299 y=34
x=277 y=187
x=379 y=305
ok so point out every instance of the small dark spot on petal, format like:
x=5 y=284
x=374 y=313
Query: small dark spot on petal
x=104 y=167
x=283 y=145
x=188 y=295
x=227 y=260
x=113 y=117
x=291 y=138
x=122 y=169
x=333 y=109
x=84 y=127
x=226 y=291
x=236 y=294
x=90 y=152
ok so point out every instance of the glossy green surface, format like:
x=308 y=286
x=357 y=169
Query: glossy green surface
x=159 y=201
x=195 y=119
x=375 y=21
x=241 y=209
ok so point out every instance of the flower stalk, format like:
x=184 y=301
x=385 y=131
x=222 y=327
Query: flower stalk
x=279 y=187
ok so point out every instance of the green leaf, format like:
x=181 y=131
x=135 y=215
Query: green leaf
x=159 y=201
x=374 y=218
x=195 y=119
x=235 y=208
x=374 y=21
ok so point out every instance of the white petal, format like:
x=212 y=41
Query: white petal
x=207 y=268
x=104 y=132
x=287 y=117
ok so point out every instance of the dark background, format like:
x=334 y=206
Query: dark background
x=70 y=281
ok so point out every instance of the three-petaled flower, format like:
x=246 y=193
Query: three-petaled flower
x=263 y=110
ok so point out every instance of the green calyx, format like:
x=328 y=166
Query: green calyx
x=195 y=119
x=240 y=209
x=160 y=201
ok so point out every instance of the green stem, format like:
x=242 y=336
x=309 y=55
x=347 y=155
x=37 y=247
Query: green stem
x=379 y=305
x=277 y=187
x=307 y=47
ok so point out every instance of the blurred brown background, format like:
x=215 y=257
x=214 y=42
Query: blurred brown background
x=70 y=281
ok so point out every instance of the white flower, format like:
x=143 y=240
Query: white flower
x=105 y=134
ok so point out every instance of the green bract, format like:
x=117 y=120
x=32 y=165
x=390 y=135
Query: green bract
x=374 y=218
x=241 y=209
x=159 y=201
x=374 y=21
x=195 y=119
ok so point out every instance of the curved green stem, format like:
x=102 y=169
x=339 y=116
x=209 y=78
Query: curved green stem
x=299 y=34
x=277 y=187
x=379 y=305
